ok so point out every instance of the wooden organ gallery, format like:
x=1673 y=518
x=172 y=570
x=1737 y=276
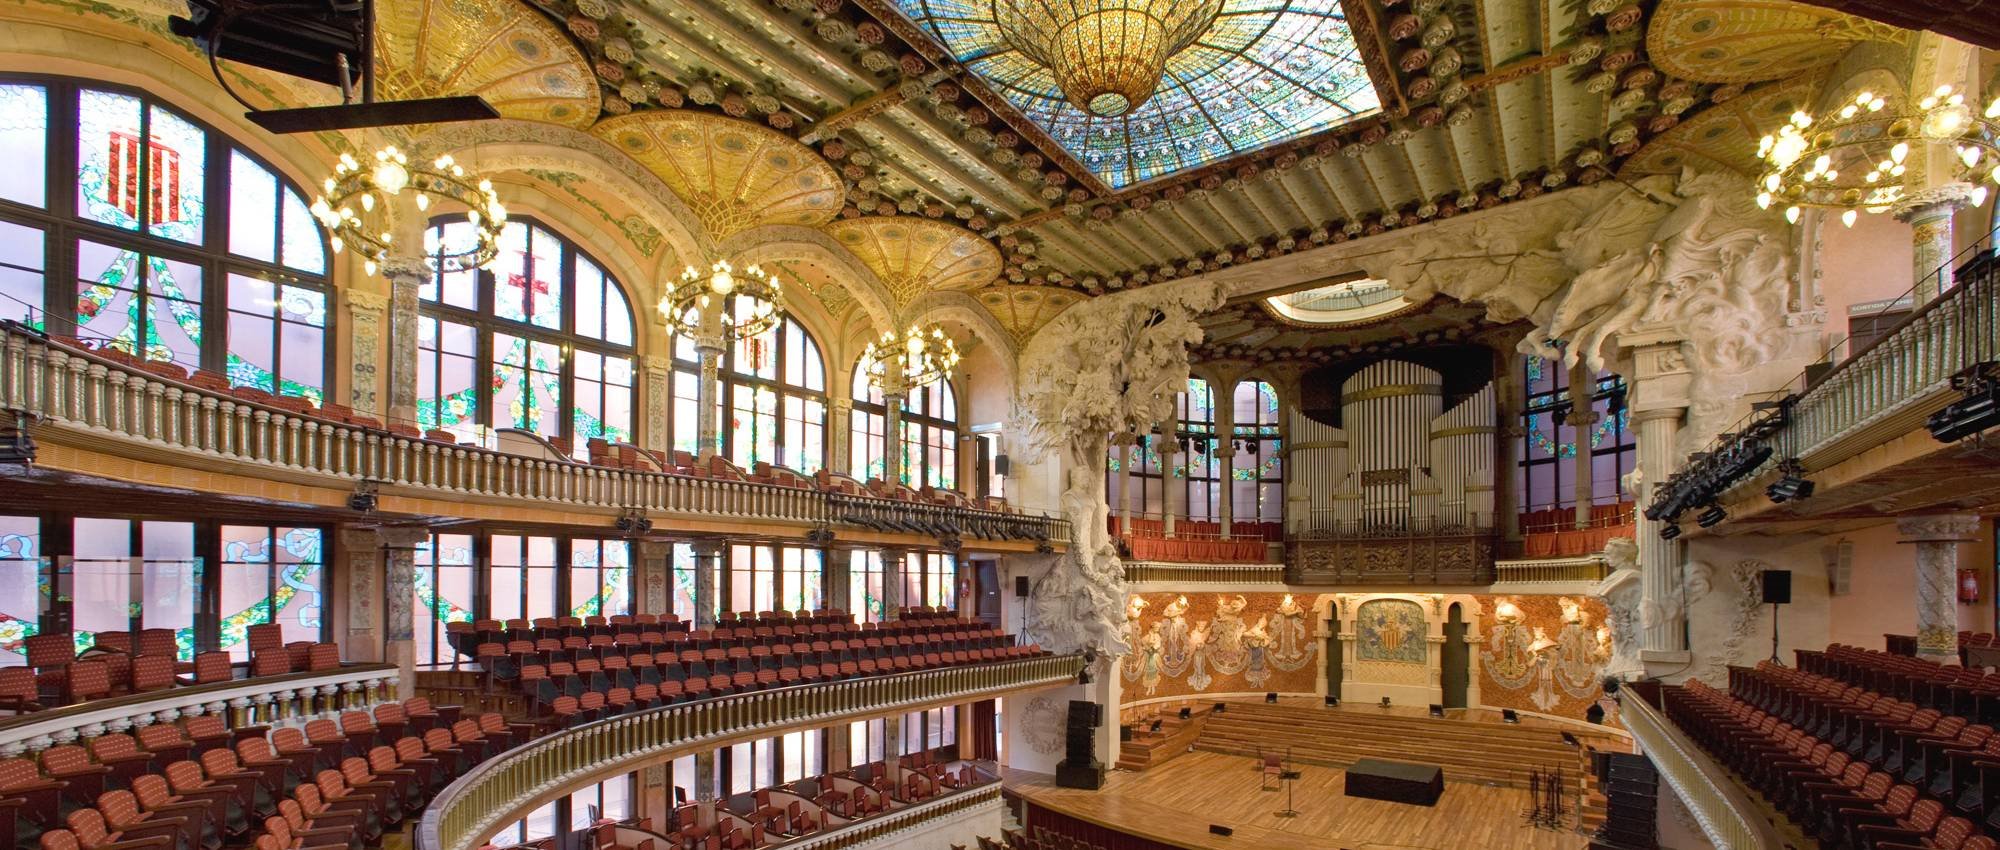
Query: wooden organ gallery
x=882 y=424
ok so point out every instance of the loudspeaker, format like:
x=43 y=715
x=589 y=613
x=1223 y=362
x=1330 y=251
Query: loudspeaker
x=1001 y=464
x=1777 y=587
x=1219 y=829
x=1271 y=697
x=1186 y=712
x=1021 y=587
x=1507 y=715
x=1085 y=714
x=1437 y=710
x=1332 y=701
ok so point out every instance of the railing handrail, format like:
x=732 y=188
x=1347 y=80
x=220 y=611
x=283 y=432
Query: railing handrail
x=468 y=809
x=62 y=724
x=1727 y=815
x=31 y=384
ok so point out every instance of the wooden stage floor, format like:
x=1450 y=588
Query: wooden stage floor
x=1176 y=801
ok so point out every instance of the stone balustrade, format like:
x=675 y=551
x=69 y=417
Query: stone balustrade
x=1726 y=813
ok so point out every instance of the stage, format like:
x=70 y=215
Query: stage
x=1176 y=801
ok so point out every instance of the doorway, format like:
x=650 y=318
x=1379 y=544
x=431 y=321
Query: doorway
x=1455 y=659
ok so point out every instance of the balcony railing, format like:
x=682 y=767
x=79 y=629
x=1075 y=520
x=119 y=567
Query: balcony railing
x=244 y=702
x=60 y=387
x=504 y=789
x=1727 y=815
x=1136 y=571
x=1581 y=569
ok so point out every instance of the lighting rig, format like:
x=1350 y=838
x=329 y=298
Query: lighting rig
x=1977 y=411
x=1707 y=475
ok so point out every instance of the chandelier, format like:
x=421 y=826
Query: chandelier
x=355 y=198
x=1107 y=56
x=1857 y=159
x=723 y=302
x=907 y=359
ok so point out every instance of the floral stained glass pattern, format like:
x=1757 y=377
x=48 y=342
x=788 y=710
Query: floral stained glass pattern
x=23 y=586
x=600 y=574
x=23 y=264
x=527 y=384
x=277 y=337
x=447 y=396
x=271 y=575
x=24 y=134
x=1265 y=72
x=149 y=307
x=126 y=172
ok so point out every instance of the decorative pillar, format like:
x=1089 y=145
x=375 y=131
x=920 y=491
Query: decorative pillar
x=1507 y=437
x=839 y=748
x=361 y=549
x=1937 y=539
x=892 y=432
x=892 y=744
x=654 y=577
x=366 y=313
x=1664 y=622
x=1929 y=215
x=1225 y=445
x=708 y=397
x=837 y=586
x=894 y=563
x=1169 y=463
x=704 y=787
x=1581 y=420
x=840 y=430
x=399 y=550
x=405 y=275
x=659 y=383
x=1128 y=489
x=708 y=555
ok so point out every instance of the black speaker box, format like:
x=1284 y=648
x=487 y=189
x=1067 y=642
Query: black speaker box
x=1021 y=586
x=1777 y=587
x=1001 y=464
x=1219 y=829
x=1083 y=712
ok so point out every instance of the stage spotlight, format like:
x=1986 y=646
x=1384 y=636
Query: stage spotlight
x=1669 y=532
x=1712 y=517
x=1332 y=701
x=1508 y=715
x=1976 y=412
x=1186 y=712
x=1221 y=707
x=1385 y=702
x=1437 y=710
x=1271 y=697
x=1794 y=484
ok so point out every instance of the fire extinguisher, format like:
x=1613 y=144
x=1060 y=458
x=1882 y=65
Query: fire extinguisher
x=1968 y=585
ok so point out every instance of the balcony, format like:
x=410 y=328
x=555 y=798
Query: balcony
x=505 y=788
x=78 y=405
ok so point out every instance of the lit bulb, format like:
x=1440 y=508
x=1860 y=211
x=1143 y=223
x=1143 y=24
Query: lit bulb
x=1847 y=218
x=1864 y=97
x=1771 y=182
x=368 y=266
x=472 y=216
x=329 y=185
x=722 y=282
x=1993 y=109
x=1764 y=200
x=338 y=245
x=423 y=202
x=1969 y=155
x=1979 y=197
x=390 y=176
x=1900 y=152
x=1792 y=214
x=368 y=203
x=1877 y=104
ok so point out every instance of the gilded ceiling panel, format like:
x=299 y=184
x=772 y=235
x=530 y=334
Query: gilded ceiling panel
x=1729 y=41
x=1725 y=134
x=501 y=50
x=1022 y=310
x=916 y=255
x=734 y=175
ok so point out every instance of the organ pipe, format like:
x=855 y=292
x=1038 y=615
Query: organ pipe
x=1400 y=461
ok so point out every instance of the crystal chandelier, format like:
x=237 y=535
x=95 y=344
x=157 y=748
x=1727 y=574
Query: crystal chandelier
x=906 y=359
x=723 y=302
x=1106 y=55
x=356 y=198
x=1857 y=159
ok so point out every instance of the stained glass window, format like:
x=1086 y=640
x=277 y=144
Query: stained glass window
x=548 y=329
x=864 y=593
x=684 y=581
x=1266 y=72
x=928 y=449
x=126 y=575
x=23 y=594
x=600 y=577
x=1258 y=478
x=1199 y=463
x=521 y=577
x=271 y=574
x=1546 y=477
x=772 y=400
x=131 y=252
x=445 y=594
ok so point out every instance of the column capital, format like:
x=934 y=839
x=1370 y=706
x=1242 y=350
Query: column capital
x=404 y=536
x=352 y=538
x=1657 y=413
x=1937 y=200
x=1947 y=528
x=397 y=267
x=360 y=299
x=655 y=548
x=708 y=546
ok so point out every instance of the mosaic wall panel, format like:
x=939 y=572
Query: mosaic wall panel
x=1542 y=653
x=1196 y=643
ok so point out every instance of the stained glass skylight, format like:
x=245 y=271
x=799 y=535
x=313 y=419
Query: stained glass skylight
x=1266 y=72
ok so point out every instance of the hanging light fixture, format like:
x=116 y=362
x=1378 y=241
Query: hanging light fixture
x=1857 y=160
x=1107 y=55
x=911 y=358
x=356 y=198
x=724 y=301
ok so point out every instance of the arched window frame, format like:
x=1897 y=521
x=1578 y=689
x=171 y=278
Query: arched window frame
x=931 y=432
x=793 y=382
x=1258 y=487
x=447 y=310
x=247 y=306
x=1199 y=465
x=1545 y=476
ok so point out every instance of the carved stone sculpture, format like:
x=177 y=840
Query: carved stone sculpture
x=1111 y=365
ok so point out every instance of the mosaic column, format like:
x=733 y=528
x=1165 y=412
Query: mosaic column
x=366 y=313
x=1937 y=539
x=1225 y=445
x=361 y=549
x=1171 y=492
x=708 y=396
x=659 y=384
x=839 y=748
x=836 y=589
x=708 y=555
x=405 y=276
x=894 y=563
x=704 y=786
x=1929 y=215
x=1663 y=622
x=839 y=424
x=399 y=550
x=654 y=577
x=1580 y=422
x=892 y=742
x=892 y=433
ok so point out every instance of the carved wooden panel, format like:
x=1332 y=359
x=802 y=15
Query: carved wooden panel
x=1446 y=559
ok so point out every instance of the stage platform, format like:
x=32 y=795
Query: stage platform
x=1175 y=802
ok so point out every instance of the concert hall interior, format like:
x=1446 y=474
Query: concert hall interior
x=999 y=425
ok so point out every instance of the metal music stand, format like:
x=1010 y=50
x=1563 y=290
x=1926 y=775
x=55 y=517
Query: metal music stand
x=1290 y=776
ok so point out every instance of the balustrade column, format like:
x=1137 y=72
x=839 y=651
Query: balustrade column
x=405 y=275
x=1663 y=621
x=1929 y=214
x=399 y=551
x=708 y=560
x=654 y=577
x=362 y=550
x=1937 y=539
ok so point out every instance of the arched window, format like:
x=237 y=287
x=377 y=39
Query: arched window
x=132 y=227
x=773 y=399
x=1200 y=467
x=540 y=340
x=930 y=433
x=1257 y=491
x=1545 y=478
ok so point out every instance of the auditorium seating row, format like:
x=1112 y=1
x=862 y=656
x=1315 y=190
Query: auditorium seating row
x=1907 y=644
x=579 y=632
x=143 y=661
x=1856 y=768
x=1035 y=839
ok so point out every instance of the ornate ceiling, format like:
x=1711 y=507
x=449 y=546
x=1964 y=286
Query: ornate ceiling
x=515 y=58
